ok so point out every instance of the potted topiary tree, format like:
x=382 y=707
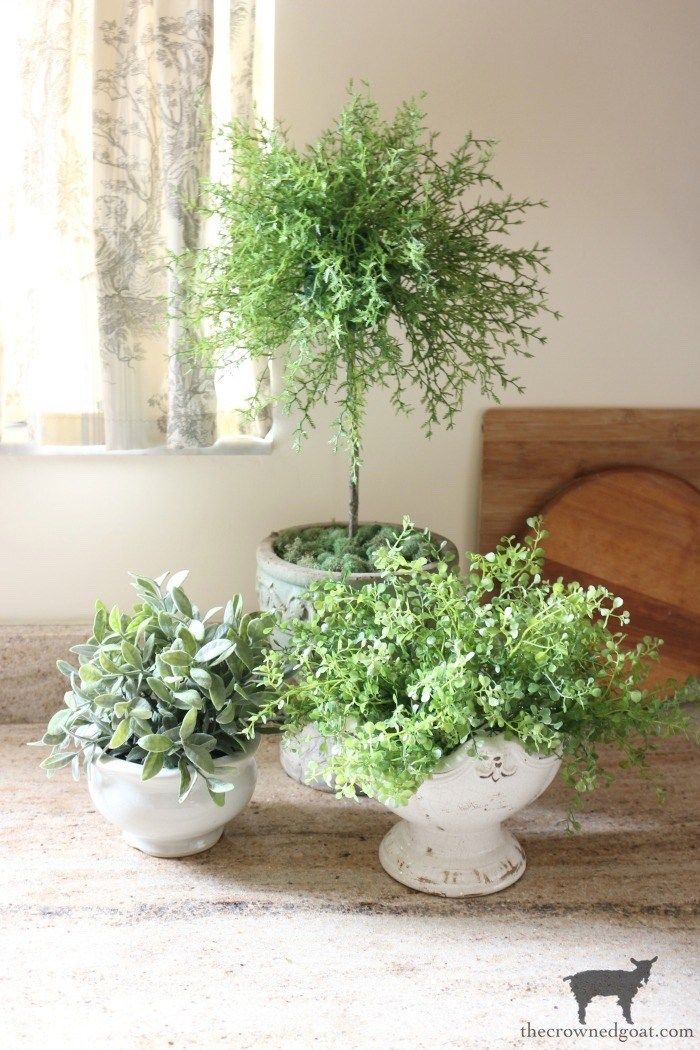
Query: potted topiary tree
x=454 y=700
x=364 y=262
x=157 y=709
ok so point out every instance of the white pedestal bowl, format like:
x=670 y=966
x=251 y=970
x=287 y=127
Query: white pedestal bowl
x=450 y=840
x=149 y=814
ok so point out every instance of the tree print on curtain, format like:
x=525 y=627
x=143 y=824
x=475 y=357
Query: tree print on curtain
x=151 y=133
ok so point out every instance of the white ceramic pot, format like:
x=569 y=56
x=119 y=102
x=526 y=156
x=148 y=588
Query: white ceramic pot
x=151 y=817
x=298 y=751
x=450 y=840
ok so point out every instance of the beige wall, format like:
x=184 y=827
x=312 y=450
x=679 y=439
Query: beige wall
x=596 y=106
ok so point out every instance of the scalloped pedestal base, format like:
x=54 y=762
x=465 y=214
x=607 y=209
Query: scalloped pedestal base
x=449 y=865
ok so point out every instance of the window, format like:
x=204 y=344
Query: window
x=111 y=109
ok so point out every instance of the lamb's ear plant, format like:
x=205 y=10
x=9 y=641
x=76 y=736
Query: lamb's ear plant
x=366 y=260
x=401 y=672
x=163 y=686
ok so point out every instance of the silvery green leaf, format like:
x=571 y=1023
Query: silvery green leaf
x=141 y=726
x=182 y=602
x=200 y=758
x=99 y=626
x=160 y=580
x=153 y=765
x=211 y=612
x=176 y=658
x=205 y=740
x=131 y=654
x=189 y=723
x=87 y=651
x=75 y=767
x=219 y=785
x=57 y=722
x=188 y=776
x=120 y=735
x=65 y=668
x=108 y=663
x=246 y=654
x=217 y=691
x=201 y=677
x=232 y=612
x=216 y=796
x=197 y=630
x=159 y=689
x=214 y=651
x=155 y=742
x=115 y=619
x=191 y=697
x=227 y=715
x=177 y=579
x=142 y=710
x=188 y=641
x=148 y=587
x=58 y=761
x=90 y=675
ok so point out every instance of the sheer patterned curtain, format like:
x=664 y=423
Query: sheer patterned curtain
x=113 y=120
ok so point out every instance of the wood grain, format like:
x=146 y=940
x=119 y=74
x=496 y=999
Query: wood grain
x=529 y=454
x=636 y=531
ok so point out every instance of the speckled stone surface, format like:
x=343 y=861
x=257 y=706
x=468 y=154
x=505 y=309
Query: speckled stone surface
x=31 y=688
x=289 y=934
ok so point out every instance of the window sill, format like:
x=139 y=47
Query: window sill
x=240 y=446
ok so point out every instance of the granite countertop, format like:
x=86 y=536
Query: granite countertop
x=289 y=934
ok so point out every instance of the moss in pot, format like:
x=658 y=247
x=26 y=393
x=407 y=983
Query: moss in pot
x=454 y=700
x=157 y=709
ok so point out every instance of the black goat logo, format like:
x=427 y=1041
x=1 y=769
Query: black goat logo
x=624 y=984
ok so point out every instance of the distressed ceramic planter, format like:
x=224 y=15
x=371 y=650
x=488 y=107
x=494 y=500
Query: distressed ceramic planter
x=450 y=840
x=281 y=588
x=298 y=751
x=149 y=814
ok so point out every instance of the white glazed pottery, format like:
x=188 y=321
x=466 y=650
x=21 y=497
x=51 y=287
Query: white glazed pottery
x=149 y=814
x=300 y=750
x=450 y=840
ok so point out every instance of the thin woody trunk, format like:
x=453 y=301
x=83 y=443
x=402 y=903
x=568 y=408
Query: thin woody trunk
x=354 y=501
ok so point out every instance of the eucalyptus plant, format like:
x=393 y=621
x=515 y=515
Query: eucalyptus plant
x=401 y=672
x=370 y=262
x=163 y=686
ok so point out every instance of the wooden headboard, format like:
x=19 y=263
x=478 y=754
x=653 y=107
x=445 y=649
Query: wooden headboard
x=528 y=454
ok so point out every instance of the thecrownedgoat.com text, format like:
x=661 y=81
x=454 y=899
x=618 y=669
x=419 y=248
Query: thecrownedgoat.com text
x=620 y=1032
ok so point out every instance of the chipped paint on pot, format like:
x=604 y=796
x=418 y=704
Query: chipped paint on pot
x=450 y=840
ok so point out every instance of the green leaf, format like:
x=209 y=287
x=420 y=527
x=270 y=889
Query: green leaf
x=188 y=724
x=89 y=674
x=190 y=697
x=155 y=743
x=201 y=677
x=217 y=691
x=153 y=765
x=160 y=689
x=245 y=653
x=115 y=619
x=214 y=651
x=65 y=668
x=120 y=735
x=200 y=758
x=182 y=602
x=216 y=796
x=176 y=658
x=58 y=761
x=131 y=654
x=188 y=777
